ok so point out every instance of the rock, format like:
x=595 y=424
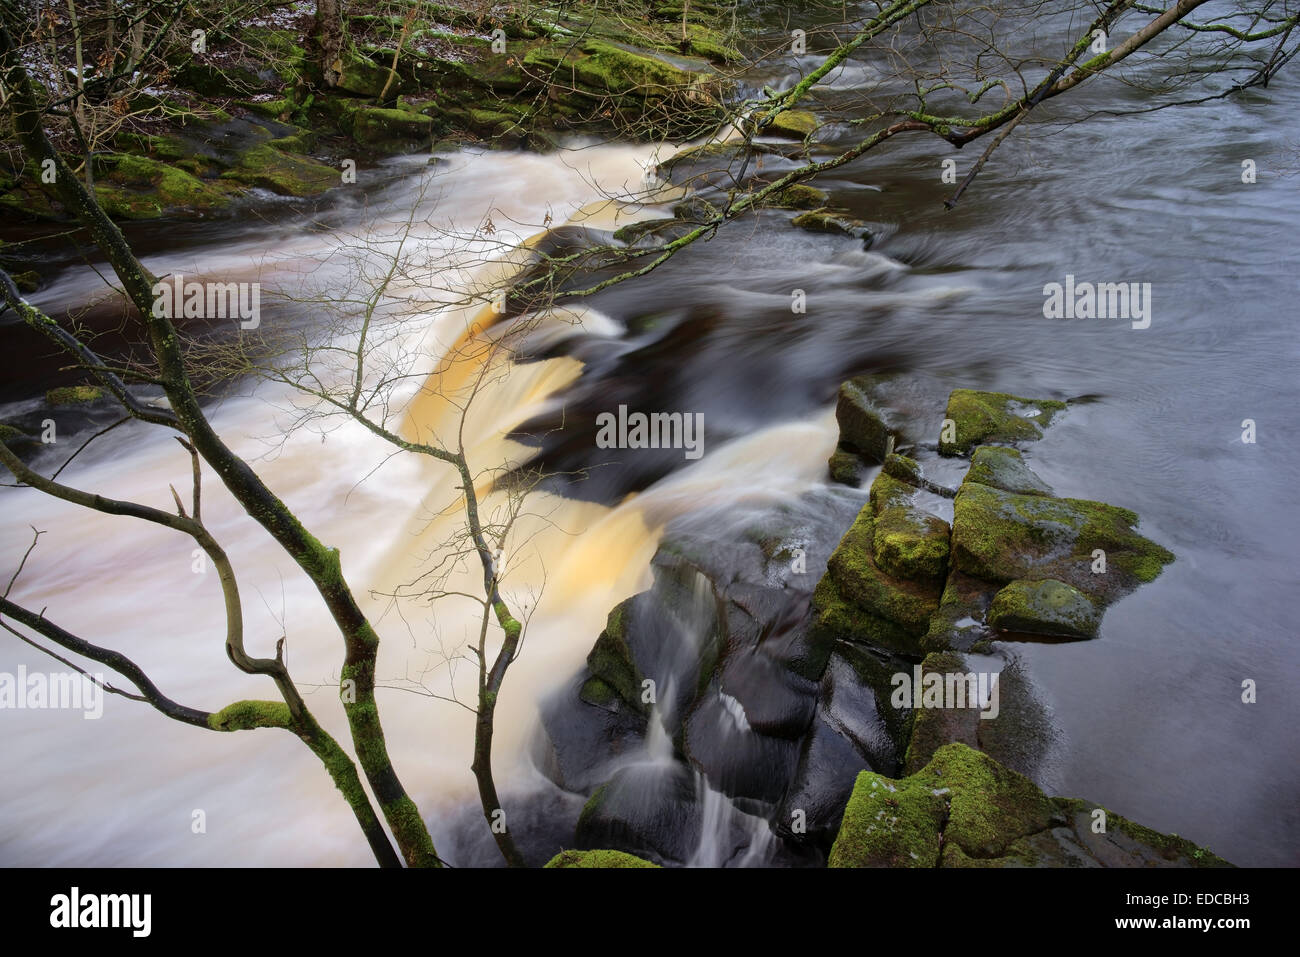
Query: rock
x=864 y=429
x=910 y=544
x=845 y=467
x=1046 y=607
x=800 y=196
x=391 y=131
x=138 y=187
x=990 y=816
x=932 y=728
x=13 y=436
x=856 y=601
x=283 y=173
x=645 y=809
x=1005 y=469
x=980 y=417
x=27 y=281
x=1001 y=536
x=364 y=77
x=840 y=224
x=959 y=622
x=613 y=666
x=793 y=124
x=823 y=781
x=74 y=395
x=889 y=824
x=597 y=859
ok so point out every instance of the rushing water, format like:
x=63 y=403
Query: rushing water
x=1150 y=715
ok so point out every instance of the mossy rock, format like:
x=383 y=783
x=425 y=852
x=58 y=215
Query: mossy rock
x=390 y=130
x=1046 y=607
x=11 y=435
x=994 y=417
x=28 y=280
x=910 y=544
x=800 y=196
x=74 y=395
x=140 y=187
x=1001 y=536
x=845 y=467
x=958 y=624
x=597 y=859
x=889 y=824
x=865 y=603
x=826 y=221
x=903 y=469
x=888 y=492
x=363 y=76
x=613 y=665
x=989 y=806
x=864 y=428
x=793 y=124
x=1125 y=843
x=611 y=69
x=285 y=173
x=710 y=44
x=1004 y=468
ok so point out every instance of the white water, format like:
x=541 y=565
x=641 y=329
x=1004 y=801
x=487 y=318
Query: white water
x=126 y=789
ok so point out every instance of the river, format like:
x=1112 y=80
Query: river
x=1150 y=717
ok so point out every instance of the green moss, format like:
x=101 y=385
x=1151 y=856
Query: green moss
x=864 y=428
x=597 y=859
x=11 y=434
x=74 y=395
x=246 y=715
x=612 y=69
x=889 y=824
x=995 y=417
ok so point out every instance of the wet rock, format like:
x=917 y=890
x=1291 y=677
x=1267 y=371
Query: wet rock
x=858 y=601
x=845 y=467
x=864 y=426
x=600 y=858
x=793 y=124
x=1002 y=536
x=828 y=765
x=959 y=621
x=826 y=221
x=889 y=823
x=74 y=395
x=800 y=196
x=579 y=742
x=645 y=809
x=1046 y=607
x=1004 y=468
x=909 y=543
x=989 y=816
x=391 y=131
x=283 y=173
x=993 y=417
x=616 y=679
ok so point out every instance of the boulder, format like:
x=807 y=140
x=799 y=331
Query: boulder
x=974 y=418
x=601 y=858
x=1004 y=468
x=1046 y=607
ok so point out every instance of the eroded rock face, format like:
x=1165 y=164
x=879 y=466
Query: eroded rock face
x=963 y=809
